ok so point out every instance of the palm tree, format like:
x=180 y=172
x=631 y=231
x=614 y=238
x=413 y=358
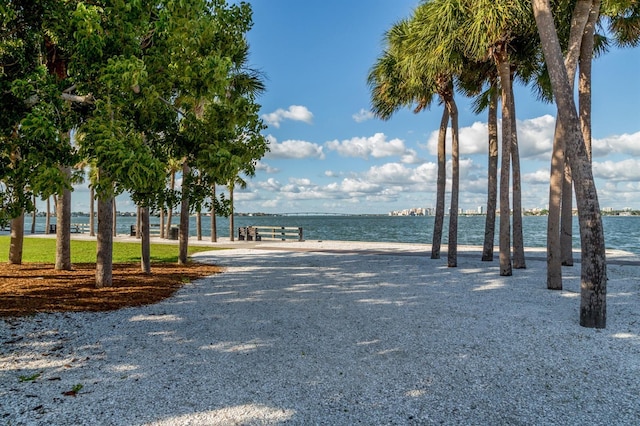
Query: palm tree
x=492 y=28
x=472 y=81
x=396 y=83
x=593 y=275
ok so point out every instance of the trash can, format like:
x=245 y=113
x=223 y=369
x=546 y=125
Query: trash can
x=173 y=233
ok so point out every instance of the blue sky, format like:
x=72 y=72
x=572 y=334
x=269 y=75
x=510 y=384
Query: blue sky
x=329 y=155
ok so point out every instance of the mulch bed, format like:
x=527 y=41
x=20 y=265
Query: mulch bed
x=31 y=288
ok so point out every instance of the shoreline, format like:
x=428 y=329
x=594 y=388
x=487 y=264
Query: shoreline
x=614 y=256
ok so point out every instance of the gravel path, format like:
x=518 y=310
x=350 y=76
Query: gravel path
x=334 y=338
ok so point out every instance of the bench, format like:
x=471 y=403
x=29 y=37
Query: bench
x=259 y=233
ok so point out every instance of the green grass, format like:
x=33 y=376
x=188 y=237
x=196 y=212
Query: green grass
x=43 y=250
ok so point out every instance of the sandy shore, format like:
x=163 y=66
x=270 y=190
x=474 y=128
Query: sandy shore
x=336 y=333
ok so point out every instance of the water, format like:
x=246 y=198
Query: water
x=620 y=232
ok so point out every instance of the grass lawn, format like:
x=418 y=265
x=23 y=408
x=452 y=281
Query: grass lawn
x=43 y=250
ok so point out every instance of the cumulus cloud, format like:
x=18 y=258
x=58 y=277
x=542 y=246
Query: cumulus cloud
x=535 y=137
x=622 y=144
x=362 y=115
x=617 y=171
x=539 y=177
x=294 y=149
x=294 y=113
x=375 y=146
x=473 y=139
x=390 y=173
x=264 y=167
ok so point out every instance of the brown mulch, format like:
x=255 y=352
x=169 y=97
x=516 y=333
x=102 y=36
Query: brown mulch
x=31 y=288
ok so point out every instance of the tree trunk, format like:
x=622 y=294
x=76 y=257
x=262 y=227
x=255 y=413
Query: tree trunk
x=554 y=260
x=492 y=178
x=114 y=217
x=438 y=223
x=199 y=225
x=584 y=76
x=184 y=217
x=566 y=217
x=214 y=231
x=63 y=227
x=16 y=240
x=516 y=188
x=138 y=223
x=505 y=213
x=231 y=213
x=172 y=186
x=33 y=216
x=92 y=213
x=145 y=241
x=593 y=275
x=104 y=246
x=47 y=221
x=560 y=197
x=452 y=245
x=162 y=222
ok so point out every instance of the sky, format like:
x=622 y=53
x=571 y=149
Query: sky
x=330 y=155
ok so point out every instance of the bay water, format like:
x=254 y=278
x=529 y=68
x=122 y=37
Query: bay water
x=621 y=232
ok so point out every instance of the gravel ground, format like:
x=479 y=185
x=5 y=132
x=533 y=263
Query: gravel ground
x=340 y=337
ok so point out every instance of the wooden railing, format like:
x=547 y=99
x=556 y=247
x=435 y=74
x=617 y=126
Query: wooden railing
x=259 y=233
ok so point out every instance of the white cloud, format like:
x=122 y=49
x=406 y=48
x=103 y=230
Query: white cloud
x=264 y=167
x=362 y=115
x=390 y=173
x=625 y=170
x=293 y=149
x=294 y=112
x=539 y=177
x=535 y=138
x=375 y=146
x=623 y=144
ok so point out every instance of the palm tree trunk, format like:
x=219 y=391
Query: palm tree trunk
x=560 y=195
x=184 y=217
x=145 y=241
x=114 y=217
x=452 y=245
x=47 y=221
x=593 y=274
x=33 y=216
x=92 y=213
x=199 y=225
x=566 y=217
x=492 y=178
x=63 y=227
x=505 y=213
x=138 y=222
x=584 y=76
x=554 y=260
x=172 y=186
x=438 y=223
x=516 y=188
x=214 y=231
x=104 y=245
x=16 y=241
x=231 y=213
x=162 y=222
